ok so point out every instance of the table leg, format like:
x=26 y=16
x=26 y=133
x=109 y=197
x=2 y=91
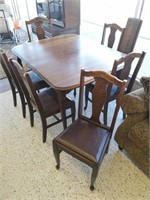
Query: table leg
x=19 y=61
x=62 y=98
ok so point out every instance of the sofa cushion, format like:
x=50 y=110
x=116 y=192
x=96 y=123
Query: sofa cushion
x=145 y=80
x=134 y=102
x=139 y=135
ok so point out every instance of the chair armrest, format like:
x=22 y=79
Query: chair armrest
x=134 y=102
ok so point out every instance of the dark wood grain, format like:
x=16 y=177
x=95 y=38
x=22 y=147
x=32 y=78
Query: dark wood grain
x=59 y=60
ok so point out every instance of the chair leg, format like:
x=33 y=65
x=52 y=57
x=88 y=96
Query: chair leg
x=31 y=115
x=124 y=115
x=120 y=148
x=93 y=177
x=105 y=113
x=14 y=93
x=56 y=154
x=75 y=92
x=24 y=110
x=86 y=97
x=23 y=105
x=73 y=112
x=44 y=126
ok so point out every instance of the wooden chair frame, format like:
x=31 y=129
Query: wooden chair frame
x=10 y=79
x=121 y=68
x=87 y=139
x=45 y=102
x=114 y=28
x=39 y=28
x=15 y=86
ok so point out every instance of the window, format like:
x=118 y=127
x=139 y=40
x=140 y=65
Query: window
x=100 y=11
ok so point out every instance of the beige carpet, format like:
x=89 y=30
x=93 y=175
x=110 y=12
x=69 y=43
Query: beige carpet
x=28 y=166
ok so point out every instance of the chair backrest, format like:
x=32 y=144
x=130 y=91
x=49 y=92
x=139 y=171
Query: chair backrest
x=114 y=30
x=38 y=27
x=100 y=95
x=27 y=86
x=19 y=72
x=130 y=64
x=130 y=35
x=34 y=98
x=9 y=72
x=4 y=66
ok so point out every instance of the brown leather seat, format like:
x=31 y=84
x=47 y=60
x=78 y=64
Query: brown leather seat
x=87 y=139
x=45 y=102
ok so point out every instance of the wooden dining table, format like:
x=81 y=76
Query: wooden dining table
x=59 y=60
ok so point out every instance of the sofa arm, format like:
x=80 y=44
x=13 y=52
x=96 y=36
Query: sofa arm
x=125 y=127
x=134 y=102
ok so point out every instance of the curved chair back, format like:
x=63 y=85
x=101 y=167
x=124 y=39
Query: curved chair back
x=114 y=30
x=38 y=27
x=122 y=69
x=132 y=62
x=3 y=59
x=14 y=83
x=28 y=88
x=45 y=102
x=100 y=95
x=87 y=139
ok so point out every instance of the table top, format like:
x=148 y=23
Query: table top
x=59 y=60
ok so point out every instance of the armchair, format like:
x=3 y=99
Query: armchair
x=133 y=134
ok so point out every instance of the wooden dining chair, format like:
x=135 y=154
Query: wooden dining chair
x=38 y=27
x=9 y=77
x=15 y=87
x=45 y=102
x=130 y=35
x=109 y=36
x=127 y=68
x=112 y=31
x=87 y=139
x=14 y=84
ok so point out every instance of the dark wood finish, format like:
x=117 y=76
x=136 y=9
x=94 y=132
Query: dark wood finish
x=15 y=85
x=130 y=35
x=3 y=60
x=87 y=139
x=45 y=102
x=66 y=15
x=39 y=28
x=109 y=30
x=59 y=60
x=113 y=28
x=122 y=69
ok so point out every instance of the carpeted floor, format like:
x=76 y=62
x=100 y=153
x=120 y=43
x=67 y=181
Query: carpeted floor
x=28 y=166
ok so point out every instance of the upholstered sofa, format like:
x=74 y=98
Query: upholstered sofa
x=133 y=135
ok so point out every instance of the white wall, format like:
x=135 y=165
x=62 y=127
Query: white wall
x=26 y=9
